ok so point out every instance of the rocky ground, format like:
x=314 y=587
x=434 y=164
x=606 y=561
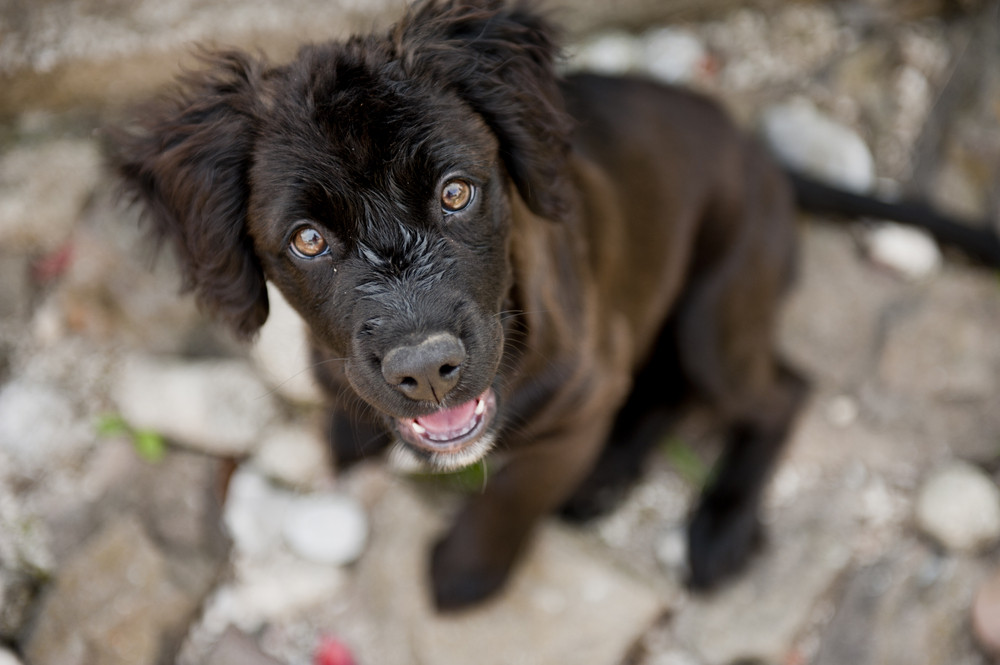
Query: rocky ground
x=165 y=494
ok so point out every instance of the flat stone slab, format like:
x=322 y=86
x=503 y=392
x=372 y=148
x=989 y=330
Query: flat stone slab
x=912 y=606
x=759 y=615
x=216 y=406
x=565 y=604
x=112 y=604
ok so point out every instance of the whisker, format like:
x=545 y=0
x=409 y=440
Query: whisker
x=507 y=314
x=294 y=376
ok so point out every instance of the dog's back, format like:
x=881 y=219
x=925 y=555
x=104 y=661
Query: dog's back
x=675 y=185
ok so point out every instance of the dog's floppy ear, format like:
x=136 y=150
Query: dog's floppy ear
x=187 y=159
x=499 y=57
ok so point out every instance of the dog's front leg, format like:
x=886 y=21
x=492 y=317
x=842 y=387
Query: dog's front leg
x=474 y=558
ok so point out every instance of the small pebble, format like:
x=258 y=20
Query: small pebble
x=805 y=139
x=294 y=456
x=254 y=513
x=329 y=529
x=986 y=615
x=7 y=658
x=673 y=55
x=909 y=252
x=611 y=53
x=842 y=411
x=959 y=507
x=671 y=551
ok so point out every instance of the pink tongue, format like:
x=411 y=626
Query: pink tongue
x=447 y=420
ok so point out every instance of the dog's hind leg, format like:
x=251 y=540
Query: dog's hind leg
x=726 y=336
x=725 y=528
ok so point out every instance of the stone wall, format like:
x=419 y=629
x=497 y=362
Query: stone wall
x=61 y=54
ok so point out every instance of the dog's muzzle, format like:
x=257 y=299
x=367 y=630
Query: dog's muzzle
x=451 y=438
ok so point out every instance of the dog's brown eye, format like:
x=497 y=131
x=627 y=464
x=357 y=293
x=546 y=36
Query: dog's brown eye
x=309 y=243
x=456 y=195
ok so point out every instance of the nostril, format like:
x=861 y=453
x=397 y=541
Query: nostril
x=427 y=370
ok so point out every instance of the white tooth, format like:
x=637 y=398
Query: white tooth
x=419 y=429
x=480 y=407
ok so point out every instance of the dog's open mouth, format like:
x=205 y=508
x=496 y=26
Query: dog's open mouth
x=453 y=437
x=450 y=430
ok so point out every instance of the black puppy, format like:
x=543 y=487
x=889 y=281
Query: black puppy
x=491 y=259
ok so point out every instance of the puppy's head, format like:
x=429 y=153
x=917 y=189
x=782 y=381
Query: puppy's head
x=370 y=181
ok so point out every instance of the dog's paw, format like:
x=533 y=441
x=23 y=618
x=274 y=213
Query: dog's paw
x=591 y=502
x=721 y=541
x=459 y=580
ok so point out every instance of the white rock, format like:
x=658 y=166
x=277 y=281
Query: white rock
x=254 y=513
x=293 y=455
x=326 y=528
x=38 y=426
x=842 y=411
x=672 y=55
x=671 y=551
x=7 y=658
x=269 y=592
x=217 y=406
x=805 y=139
x=910 y=252
x=612 y=53
x=281 y=352
x=322 y=527
x=959 y=507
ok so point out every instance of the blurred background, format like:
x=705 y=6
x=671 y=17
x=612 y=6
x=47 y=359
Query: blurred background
x=165 y=495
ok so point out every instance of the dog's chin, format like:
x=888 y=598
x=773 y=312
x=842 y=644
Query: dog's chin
x=448 y=439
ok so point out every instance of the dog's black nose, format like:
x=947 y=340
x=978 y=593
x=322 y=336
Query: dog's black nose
x=425 y=371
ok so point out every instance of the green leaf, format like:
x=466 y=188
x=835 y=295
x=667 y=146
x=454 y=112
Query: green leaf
x=150 y=445
x=468 y=479
x=111 y=424
x=686 y=462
